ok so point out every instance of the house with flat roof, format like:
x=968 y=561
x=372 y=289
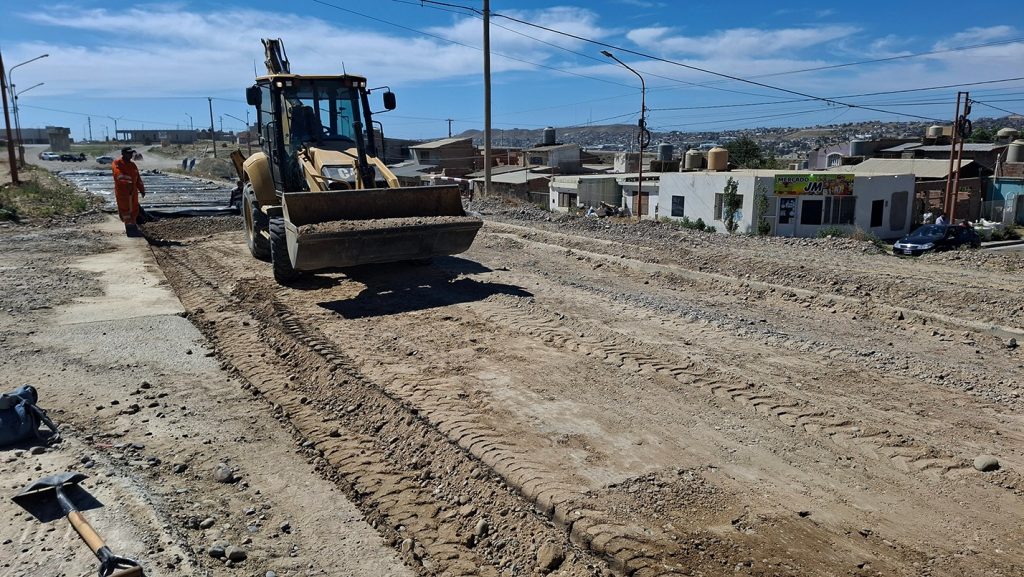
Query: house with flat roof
x=454 y=156
x=798 y=204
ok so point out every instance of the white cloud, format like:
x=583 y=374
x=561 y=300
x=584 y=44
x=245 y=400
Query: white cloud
x=977 y=35
x=750 y=42
x=172 y=50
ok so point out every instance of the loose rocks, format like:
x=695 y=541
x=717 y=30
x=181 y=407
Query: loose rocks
x=549 y=556
x=235 y=554
x=986 y=463
x=223 y=474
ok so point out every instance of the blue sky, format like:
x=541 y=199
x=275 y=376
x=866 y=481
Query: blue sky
x=152 y=64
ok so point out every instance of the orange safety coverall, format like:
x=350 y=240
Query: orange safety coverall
x=127 y=187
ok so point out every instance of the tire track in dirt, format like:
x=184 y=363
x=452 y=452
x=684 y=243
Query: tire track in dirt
x=898 y=449
x=629 y=549
x=432 y=532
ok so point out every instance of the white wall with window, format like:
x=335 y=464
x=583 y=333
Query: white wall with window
x=699 y=195
x=879 y=204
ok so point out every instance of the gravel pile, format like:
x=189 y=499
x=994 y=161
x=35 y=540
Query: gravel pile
x=190 y=227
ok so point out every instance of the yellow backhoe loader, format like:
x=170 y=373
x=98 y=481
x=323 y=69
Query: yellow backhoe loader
x=318 y=197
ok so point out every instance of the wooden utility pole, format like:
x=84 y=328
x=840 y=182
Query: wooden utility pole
x=487 y=98
x=7 y=123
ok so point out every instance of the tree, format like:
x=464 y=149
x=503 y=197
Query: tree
x=764 y=228
x=746 y=153
x=731 y=204
x=981 y=135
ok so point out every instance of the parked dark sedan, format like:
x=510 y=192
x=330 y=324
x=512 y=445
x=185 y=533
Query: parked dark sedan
x=936 y=237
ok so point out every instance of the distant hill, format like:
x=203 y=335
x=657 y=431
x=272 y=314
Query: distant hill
x=783 y=141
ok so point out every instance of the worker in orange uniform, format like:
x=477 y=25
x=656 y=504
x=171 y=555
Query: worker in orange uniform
x=127 y=189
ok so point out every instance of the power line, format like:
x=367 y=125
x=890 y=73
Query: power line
x=464 y=45
x=887 y=92
x=996 y=107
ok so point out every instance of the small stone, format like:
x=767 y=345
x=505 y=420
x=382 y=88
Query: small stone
x=986 y=463
x=235 y=554
x=207 y=523
x=407 y=546
x=481 y=528
x=549 y=556
x=145 y=385
x=216 y=551
x=270 y=574
x=1011 y=343
x=179 y=468
x=39 y=450
x=223 y=474
x=286 y=527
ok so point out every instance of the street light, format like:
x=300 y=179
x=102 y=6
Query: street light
x=14 y=98
x=643 y=136
x=115 y=125
x=248 y=135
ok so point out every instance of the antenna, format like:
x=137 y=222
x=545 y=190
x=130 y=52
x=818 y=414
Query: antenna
x=343 y=71
x=255 y=72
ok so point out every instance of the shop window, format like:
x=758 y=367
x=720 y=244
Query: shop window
x=877 y=212
x=677 y=205
x=839 y=209
x=811 y=211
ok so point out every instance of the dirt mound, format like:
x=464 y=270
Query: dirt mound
x=215 y=168
x=190 y=227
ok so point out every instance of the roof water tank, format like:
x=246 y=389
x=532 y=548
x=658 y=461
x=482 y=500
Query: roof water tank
x=858 y=148
x=694 y=159
x=718 y=158
x=665 y=152
x=933 y=132
x=1015 y=152
x=1007 y=134
x=549 y=136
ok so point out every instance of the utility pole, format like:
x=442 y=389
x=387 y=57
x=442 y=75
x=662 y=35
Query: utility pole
x=90 y=129
x=449 y=120
x=643 y=136
x=213 y=135
x=487 y=99
x=961 y=130
x=7 y=123
x=115 y=126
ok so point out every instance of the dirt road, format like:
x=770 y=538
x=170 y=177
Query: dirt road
x=594 y=398
x=601 y=397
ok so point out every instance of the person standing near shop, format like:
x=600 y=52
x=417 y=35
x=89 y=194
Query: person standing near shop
x=127 y=189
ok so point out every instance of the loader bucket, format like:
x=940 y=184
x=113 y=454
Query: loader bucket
x=351 y=227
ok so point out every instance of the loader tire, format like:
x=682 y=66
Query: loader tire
x=255 y=224
x=284 y=273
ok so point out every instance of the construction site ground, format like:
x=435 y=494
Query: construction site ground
x=571 y=396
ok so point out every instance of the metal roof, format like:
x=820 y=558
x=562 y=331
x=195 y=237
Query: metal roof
x=919 y=167
x=969 y=146
x=501 y=170
x=442 y=142
x=412 y=169
x=517 y=177
x=902 y=147
x=549 y=147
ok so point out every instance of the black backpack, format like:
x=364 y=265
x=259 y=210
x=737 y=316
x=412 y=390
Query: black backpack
x=20 y=417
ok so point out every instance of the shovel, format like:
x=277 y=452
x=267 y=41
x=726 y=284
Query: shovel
x=110 y=565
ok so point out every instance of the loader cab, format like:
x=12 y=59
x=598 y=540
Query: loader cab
x=296 y=112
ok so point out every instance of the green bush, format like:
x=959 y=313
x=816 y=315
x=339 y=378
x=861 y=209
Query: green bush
x=833 y=231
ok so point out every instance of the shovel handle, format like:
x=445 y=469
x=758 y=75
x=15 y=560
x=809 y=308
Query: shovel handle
x=85 y=531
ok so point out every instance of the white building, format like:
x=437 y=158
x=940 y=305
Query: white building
x=798 y=203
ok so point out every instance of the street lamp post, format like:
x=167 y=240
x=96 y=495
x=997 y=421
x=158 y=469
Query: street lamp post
x=14 y=98
x=248 y=135
x=643 y=137
x=21 y=146
x=115 y=125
